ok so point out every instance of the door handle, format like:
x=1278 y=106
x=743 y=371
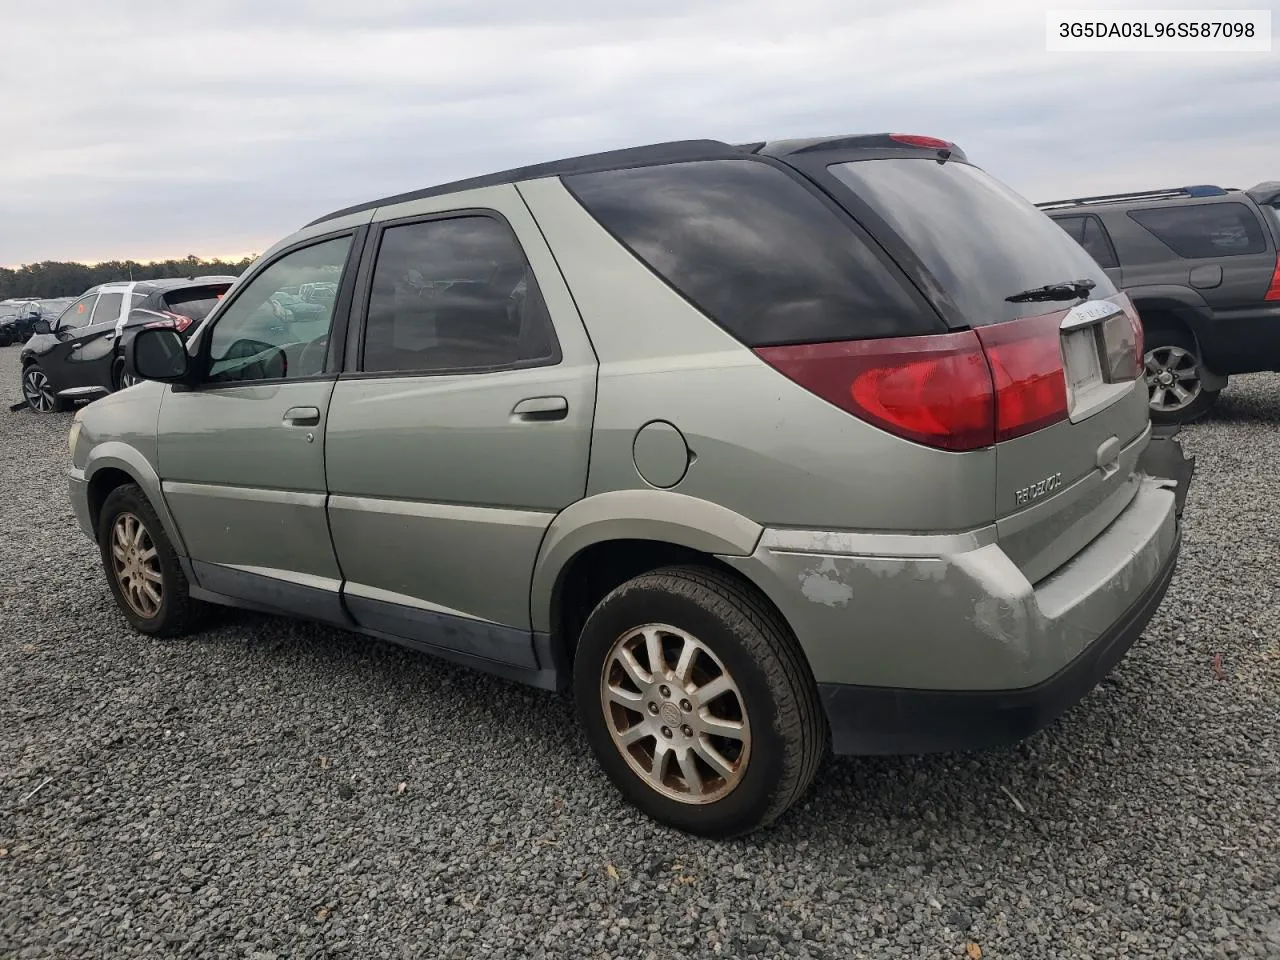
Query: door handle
x=301 y=417
x=536 y=409
x=108 y=336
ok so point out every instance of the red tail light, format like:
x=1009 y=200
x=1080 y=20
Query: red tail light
x=934 y=390
x=1026 y=370
x=1273 y=291
x=174 y=321
x=954 y=391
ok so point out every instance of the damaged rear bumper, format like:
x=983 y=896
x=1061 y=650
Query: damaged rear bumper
x=940 y=643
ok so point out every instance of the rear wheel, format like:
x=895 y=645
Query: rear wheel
x=697 y=701
x=141 y=565
x=121 y=377
x=39 y=393
x=1172 y=369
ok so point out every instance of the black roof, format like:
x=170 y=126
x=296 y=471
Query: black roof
x=676 y=151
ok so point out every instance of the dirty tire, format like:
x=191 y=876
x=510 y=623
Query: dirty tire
x=789 y=734
x=177 y=612
x=1159 y=337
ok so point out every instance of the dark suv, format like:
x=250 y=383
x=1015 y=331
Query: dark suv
x=80 y=354
x=1200 y=265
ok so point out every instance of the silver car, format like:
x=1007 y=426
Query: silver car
x=763 y=450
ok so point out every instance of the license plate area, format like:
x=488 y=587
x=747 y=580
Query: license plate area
x=1094 y=339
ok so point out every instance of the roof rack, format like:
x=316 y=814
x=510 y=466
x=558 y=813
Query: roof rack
x=1171 y=193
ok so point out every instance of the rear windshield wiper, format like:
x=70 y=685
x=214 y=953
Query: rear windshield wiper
x=1071 y=290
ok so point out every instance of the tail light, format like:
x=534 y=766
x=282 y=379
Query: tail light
x=172 y=321
x=1273 y=291
x=954 y=391
x=1026 y=373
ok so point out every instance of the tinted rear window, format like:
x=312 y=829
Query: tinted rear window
x=1205 y=230
x=195 y=302
x=755 y=251
x=981 y=241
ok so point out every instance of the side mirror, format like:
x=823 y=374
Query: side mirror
x=157 y=354
x=42 y=326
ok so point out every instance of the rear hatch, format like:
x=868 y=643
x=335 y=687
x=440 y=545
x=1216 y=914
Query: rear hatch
x=1062 y=346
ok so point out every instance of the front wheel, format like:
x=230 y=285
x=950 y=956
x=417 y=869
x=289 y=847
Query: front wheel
x=1175 y=390
x=141 y=565
x=39 y=392
x=697 y=701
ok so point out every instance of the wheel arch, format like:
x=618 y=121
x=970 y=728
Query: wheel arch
x=604 y=540
x=113 y=464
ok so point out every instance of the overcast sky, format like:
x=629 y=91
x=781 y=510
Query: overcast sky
x=134 y=128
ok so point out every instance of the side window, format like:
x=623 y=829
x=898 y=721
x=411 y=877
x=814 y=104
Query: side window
x=264 y=334
x=1205 y=230
x=108 y=308
x=1092 y=235
x=78 y=314
x=1074 y=227
x=754 y=251
x=454 y=294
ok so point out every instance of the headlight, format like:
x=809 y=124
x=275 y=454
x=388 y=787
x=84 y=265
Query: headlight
x=73 y=436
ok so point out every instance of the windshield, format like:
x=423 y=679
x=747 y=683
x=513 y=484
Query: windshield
x=980 y=240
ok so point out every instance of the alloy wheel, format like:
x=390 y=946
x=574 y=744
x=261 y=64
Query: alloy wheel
x=136 y=565
x=675 y=714
x=38 y=391
x=1173 y=378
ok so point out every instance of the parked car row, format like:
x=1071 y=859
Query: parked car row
x=18 y=317
x=763 y=450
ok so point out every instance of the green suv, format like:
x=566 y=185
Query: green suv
x=763 y=450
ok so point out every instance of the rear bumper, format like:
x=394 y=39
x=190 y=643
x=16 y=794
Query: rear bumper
x=933 y=642
x=867 y=720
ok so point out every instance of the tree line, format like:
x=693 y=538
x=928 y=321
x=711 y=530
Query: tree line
x=55 y=278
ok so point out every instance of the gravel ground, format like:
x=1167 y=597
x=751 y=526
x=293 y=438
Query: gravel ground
x=274 y=789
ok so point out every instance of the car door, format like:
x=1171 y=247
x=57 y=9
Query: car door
x=54 y=354
x=460 y=427
x=92 y=349
x=241 y=452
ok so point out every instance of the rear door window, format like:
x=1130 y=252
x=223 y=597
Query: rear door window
x=979 y=239
x=755 y=251
x=454 y=294
x=108 y=308
x=1205 y=230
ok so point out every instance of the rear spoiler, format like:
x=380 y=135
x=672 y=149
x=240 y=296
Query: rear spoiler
x=1165 y=460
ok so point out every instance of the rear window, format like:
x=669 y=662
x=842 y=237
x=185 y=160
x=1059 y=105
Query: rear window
x=755 y=251
x=1205 y=230
x=195 y=302
x=981 y=241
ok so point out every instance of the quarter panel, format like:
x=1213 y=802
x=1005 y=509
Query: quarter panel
x=634 y=515
x=763 y=447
